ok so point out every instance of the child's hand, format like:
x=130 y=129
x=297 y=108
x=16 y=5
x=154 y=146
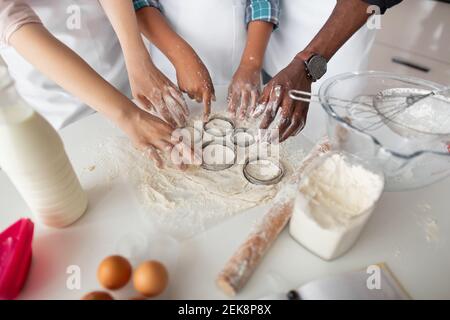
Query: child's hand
x=155 y=91
x=154 y=137
x=194 y=79
x=244 y=91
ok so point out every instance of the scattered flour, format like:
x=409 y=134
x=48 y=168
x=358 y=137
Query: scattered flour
x=263 y=170
x=431 y=230
x=243 y=139
x=217 y=154
x=428 y=223
x=186 y=203
x=424 y=207
x=218 y=127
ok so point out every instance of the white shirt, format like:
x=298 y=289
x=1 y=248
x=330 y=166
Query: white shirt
x=83 y=26
x=214 y=28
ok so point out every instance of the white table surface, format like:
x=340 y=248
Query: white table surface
x=396 y=234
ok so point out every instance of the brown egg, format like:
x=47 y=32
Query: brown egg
x=97 y=295
x=114 y=272
x=150 y=278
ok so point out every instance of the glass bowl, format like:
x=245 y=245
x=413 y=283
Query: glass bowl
x=409 y=161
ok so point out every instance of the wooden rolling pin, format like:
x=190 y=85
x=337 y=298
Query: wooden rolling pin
x=242 y=264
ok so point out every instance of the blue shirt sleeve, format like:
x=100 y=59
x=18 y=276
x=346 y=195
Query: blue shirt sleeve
x=263 y=10
x=139 y=4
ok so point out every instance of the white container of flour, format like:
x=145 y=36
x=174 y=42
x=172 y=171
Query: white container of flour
x=33 y=156
x=335 y=201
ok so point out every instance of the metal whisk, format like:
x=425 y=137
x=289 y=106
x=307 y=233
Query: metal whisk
x=374 y=110
x=360 y=108
x=389 y=104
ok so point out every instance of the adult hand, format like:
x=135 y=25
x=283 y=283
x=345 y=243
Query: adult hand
x=155 y=137
x=244 y=91
x=194 y=79
x=155 y=92
x=275 y=98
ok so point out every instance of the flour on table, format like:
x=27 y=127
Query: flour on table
x=431 y=231
x=184 y=203
x=217 y=154
x=263 y=170
x=218 y=127
x=243 y=139
x=428 y=223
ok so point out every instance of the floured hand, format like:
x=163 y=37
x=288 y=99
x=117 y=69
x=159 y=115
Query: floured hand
x=275 y=99
x=155 y=138
x=194 y=79
x=244 y=91
x=155 y=92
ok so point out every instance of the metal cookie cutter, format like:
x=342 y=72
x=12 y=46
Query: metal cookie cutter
x=217 y=133
x=218 y=166
x=260 y=181
x=248 y=143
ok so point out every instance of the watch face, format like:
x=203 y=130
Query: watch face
x=317 y=67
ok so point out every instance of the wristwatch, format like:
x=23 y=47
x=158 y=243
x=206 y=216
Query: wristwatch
x=316 y=67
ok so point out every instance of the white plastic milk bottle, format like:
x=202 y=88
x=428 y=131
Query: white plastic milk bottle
x=33 y=156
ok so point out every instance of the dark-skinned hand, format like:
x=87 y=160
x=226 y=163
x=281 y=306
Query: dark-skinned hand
x=275 y=99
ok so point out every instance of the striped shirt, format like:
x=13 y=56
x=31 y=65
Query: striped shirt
x=256 y=10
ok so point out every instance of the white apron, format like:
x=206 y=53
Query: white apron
x=300 y=21
x=214 y=28
x=95 y=41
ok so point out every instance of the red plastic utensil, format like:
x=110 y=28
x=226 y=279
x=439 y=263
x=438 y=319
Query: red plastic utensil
x=15 y=257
